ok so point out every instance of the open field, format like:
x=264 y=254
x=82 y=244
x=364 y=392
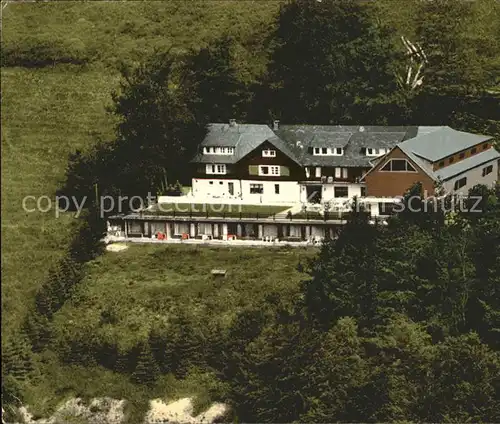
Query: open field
x=46 y=114
x=53 y=110
x=145 y=279
x=146 y=284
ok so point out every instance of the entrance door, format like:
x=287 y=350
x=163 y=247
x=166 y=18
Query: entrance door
x=230 y=187
x=314 y=193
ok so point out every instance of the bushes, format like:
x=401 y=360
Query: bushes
x=38 y=52
x=62 y=280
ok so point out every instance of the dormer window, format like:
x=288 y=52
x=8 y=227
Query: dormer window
x=327 y=151
x=268 y=153
x=370 y=151
x=215 y=150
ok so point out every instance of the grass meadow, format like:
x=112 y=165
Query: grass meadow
x=147 y=283
x=50 y=111
x=54 y=108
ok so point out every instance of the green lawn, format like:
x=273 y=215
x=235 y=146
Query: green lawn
x=49 y=112
x=146 y=284
x=46 y=114
x=217 y=210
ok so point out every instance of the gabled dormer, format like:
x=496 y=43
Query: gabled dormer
x=327 y=151
x=218 y=150
x=374 y=151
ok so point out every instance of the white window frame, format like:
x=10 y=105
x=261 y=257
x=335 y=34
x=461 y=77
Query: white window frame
x=273 y=171
x=217 y=150
x=344 y=173
x=268 y=153
x=371 y=151
x=338 y=172
x=216 y=169
x=406 y=170
x=335 y=151
x=257 y=185
x=317 y=172
x=308 y=172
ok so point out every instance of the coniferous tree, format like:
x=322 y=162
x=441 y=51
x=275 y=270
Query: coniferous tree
x=344 y=276
x=339 y=369
x=147 y=370
x=331 y=63
x=216 y=78
x=463 y=382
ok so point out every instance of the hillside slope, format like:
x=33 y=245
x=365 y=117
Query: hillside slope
x=57 y=103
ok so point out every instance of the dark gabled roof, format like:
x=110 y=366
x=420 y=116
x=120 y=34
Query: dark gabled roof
x=329 y=139
x=422 y=144
x=243 y=137
x=225 y=135
x=354 y=139
x=285 y=148
x=201 y=158
x=377 y=140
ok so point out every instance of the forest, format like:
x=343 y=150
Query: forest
x=384 y=323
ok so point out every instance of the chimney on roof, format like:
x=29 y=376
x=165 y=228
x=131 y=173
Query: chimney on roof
x=276 y=125
x=232 y=122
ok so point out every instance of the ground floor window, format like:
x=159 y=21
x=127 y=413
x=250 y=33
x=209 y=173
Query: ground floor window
x=276 y=189
x=181 y=228
x=294 y=231
x=363 y=191
x=135 y=227
x=340 y=192
x=205 y=229
x=256 y=188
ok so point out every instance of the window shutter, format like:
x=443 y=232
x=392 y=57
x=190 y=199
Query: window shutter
x=285 y=171
x=253 y=169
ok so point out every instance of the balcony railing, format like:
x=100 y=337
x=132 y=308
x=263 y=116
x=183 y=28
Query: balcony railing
x=236 y=215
